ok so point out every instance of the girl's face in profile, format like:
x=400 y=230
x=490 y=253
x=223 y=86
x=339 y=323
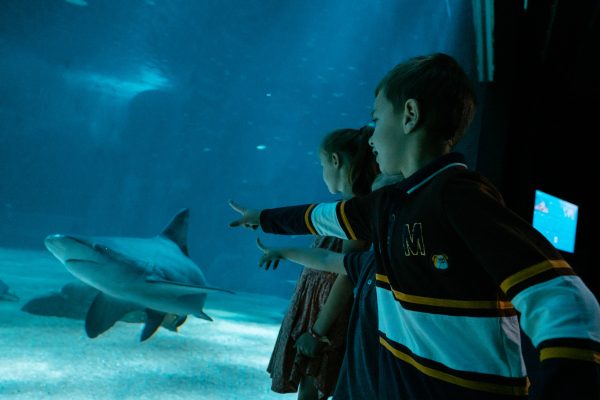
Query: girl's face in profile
x=331 y=171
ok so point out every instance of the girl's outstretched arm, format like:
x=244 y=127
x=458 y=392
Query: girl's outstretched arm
x=311 y=343
x=315 y=258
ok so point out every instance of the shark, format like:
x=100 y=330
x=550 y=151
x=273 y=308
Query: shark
x=6 y=293
x=153 y=274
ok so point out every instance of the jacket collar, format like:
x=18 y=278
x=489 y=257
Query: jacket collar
x=429 y=171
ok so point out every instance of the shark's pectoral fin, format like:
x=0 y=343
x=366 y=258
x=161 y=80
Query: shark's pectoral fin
x=182 y=289
x=104 y=312
x=153 y=320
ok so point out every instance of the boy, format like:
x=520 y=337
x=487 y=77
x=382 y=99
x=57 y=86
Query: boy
x=454 y=265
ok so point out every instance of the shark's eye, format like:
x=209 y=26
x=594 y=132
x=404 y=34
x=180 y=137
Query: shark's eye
x=102 y=249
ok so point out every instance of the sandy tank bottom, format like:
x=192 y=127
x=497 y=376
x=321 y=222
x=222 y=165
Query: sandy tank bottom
x=52 y=358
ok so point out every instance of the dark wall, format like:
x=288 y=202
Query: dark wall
x=539 y=118
x=540 y=113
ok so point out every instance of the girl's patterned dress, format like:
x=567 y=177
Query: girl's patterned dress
x=287 y=366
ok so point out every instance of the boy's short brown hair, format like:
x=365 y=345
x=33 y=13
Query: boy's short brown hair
x=444 y=92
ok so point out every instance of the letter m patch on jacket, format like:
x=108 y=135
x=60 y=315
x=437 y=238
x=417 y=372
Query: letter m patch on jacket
x=412 y=239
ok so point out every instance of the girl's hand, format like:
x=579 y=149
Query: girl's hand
x=269 y=256
x=250 y=218
x=308 y=345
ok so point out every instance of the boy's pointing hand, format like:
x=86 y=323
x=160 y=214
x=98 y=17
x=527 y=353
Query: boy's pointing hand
x=250 y=218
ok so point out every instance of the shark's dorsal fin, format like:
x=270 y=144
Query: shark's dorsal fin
x=177 y=230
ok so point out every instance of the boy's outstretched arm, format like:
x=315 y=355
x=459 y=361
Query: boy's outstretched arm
x=350 y=220
x=250 y=217
x=315 y=258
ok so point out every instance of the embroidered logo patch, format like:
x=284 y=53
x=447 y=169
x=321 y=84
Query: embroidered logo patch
x=440 y=261
x=413 y=240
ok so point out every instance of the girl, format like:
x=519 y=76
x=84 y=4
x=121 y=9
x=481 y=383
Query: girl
x=300 y=361
x=358 y=375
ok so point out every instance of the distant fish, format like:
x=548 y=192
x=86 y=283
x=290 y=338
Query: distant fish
x=154 y=274
x=6 y=293
x=80 y=3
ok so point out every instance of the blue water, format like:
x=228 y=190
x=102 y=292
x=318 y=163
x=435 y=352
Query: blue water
x=114 y=115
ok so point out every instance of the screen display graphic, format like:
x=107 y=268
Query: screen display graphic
x=556 y=219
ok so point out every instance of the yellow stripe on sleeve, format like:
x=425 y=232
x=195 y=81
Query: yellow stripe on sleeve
x=527 y=273
x=346 y=222
x=571 y=353
x=307 y=220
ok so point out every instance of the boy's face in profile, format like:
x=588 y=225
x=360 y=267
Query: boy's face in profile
x=387 y=138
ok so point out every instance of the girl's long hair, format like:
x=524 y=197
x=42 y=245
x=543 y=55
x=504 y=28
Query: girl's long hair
x=352 y=147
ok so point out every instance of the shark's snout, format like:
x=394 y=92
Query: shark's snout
x=65 y=247
x=56 y=245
